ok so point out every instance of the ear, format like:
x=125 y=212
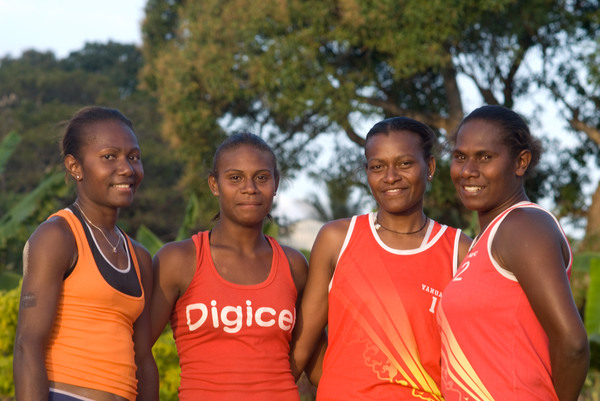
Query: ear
x=430 y=168
x=73 y=167
x=212 y=184
x=522 y=162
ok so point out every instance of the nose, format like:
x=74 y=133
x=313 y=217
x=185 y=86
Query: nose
x=126 y=167
x=469 y=169
x=391 y=175
x=249 y=186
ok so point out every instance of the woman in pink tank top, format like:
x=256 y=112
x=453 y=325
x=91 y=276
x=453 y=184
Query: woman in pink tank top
x=510 y=328
x=230 y=293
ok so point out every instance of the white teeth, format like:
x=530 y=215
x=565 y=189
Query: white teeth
x=472 y=189
x=121 y=186
x=393 y=190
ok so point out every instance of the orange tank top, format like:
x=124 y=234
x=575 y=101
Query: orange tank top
x=91 y=341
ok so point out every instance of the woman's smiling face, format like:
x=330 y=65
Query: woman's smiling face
x=487 y=177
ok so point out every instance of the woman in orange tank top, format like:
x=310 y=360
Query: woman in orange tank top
x=84 y=330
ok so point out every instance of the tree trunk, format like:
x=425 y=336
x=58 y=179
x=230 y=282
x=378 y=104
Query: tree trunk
x=591 y=241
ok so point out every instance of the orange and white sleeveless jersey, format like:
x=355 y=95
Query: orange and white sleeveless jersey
x=383 y=338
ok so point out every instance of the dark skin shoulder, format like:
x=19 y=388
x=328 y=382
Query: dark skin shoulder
x=44 y=265
x=298 y=267
x=538 y=257
x=174 y=266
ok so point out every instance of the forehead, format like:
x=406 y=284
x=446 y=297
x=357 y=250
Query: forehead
x=111 y=133
x=245 y=156
x=479 y=135
x=395 y=143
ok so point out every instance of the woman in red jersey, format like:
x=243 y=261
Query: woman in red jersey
x=230 y=293
x=377 y=279
x=510 y=329
x=84 y=331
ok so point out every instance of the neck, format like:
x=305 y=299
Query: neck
x=237 y=236
x=407 y=225
x=102 y=217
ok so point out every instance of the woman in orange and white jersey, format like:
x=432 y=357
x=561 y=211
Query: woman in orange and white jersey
x=376 y=279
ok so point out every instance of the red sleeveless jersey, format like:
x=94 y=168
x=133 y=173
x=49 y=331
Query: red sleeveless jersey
x=383 y=338
x=233 y=340
x=493 y=346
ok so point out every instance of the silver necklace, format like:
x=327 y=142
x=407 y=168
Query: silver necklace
x=378 y=226
x=114 y=248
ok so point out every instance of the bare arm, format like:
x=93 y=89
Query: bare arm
x=174 y=266
x=44 y=265
x=312 y=316
x=147 y=372
x=539 y=264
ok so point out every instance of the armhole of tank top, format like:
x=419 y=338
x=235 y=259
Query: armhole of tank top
x=133 y=258
x=70 y=270
x=198 y=240
x=502 y=271
x=344 y=245
x=455 y=261
x=276 y=246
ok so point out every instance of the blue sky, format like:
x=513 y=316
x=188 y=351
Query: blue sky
x=65 y=25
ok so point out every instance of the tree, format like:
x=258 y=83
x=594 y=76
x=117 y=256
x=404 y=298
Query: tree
x=574 y=69
x=37 y=92
x=346 y=190
x=298 y=69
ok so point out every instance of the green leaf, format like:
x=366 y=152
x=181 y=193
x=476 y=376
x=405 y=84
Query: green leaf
x=10 y=222
x=7 y=148
x=592 y=305
x=148 y=239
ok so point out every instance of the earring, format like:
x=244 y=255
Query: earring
x=77 y=177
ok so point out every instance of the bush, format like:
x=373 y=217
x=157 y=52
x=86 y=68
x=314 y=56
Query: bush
x=165 y=354
x=9 y=305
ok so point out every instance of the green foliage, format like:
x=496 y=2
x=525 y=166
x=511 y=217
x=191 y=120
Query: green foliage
x=9 y=280
x=299 y=69
x=37 y=91
x=592 y=305
x=9 y=305
x=345 y=186
x=148 y=239
x=167 y=360
x=7 y=148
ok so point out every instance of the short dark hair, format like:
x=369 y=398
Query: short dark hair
x=514 y=130
x=76 y=132
x=237 y=140
x=396 y=124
